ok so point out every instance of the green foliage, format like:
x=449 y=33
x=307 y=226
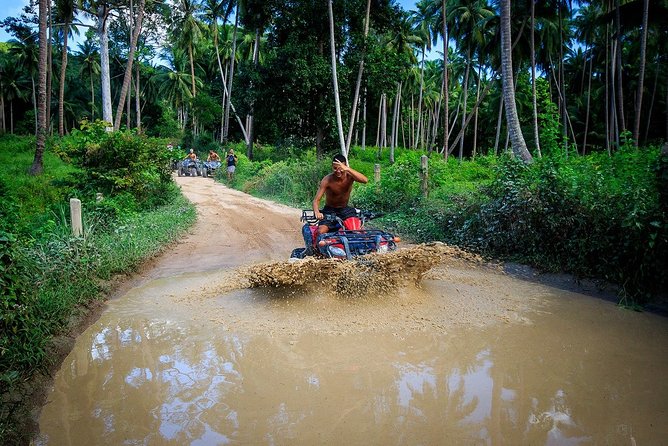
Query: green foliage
x=595 y=216
x=548 y=119
x=167 y=125
x=119 y=162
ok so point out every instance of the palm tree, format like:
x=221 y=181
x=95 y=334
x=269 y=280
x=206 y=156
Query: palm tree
x=91 y=65
x=37 y=164
x=423 y=19
x=517 y=139
x=128 y=69
x=360 y=71
x=213 y=10
x=14 y=84
x=190 y=33
x=174 y=84
x=26 y=53
x=468 y=18
x=65 y=11
x=332 y=46
x=641 y=75
x=101 y=11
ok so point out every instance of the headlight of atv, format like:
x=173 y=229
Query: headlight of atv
x=335 y=251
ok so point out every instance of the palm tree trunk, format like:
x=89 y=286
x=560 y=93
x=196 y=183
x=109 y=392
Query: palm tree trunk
x=620 y=89
x=359 y=78
x=418 y=135
x=35 y=104
x=607 y=90
x=651 y=104
x=61 y=86
x=37 y=164
x=465 y=94
x=533 y=80
x=137 y=100
x=230 y=77
x=380 y=116
x=584 y=142
x=2 y=112
x=339 y=123
x=446 y=95
x=364 y=122
x=105 y=77
x=641 y=75
x=92 y=95
x=49 y=65
x=475 y=120
x=128 y=68
x=519 y=145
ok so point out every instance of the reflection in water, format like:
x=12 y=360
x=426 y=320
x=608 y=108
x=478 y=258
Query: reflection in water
x=559 y=381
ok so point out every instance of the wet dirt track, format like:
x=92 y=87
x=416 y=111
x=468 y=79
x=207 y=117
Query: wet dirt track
x=222 y=341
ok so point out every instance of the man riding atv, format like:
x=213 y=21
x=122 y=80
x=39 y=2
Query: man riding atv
x=338 y=231
x=336 y=187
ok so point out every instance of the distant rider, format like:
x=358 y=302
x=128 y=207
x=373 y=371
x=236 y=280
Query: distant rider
x=213 y=156
x=192 y=155
x=336 y=187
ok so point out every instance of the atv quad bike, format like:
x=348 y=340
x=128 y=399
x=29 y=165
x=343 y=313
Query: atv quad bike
x=350 y=239
x=209 y=168
x=188 y=167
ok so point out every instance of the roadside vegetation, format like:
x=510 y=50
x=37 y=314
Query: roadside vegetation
x=49 y=278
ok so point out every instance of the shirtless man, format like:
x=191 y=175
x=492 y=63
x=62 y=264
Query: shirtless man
x=336 y=187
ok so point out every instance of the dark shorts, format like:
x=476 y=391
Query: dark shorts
x=342 y=213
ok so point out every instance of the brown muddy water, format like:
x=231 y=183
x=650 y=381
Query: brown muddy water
x=270 y=355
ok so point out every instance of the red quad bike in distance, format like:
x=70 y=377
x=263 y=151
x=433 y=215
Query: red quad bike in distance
x=348 y=240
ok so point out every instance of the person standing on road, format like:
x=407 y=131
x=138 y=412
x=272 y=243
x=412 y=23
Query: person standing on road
x=231 y=159
x=336 y=187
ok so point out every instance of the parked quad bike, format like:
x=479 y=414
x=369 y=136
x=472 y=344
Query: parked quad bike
x=349 y=240
x=209 y=168
x=188 y=167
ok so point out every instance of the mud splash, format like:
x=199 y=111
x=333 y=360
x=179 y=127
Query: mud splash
x=371 y=275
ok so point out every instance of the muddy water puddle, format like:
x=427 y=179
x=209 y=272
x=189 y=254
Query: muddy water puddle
x=472 y=356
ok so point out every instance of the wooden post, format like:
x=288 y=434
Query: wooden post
x=376 y=173
x=424 y=174
x=75 y=216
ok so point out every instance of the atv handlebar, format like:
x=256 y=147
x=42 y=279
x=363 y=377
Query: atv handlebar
x=308 y=216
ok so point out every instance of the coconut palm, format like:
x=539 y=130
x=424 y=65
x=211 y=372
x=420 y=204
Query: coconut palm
x=37 y=164
x=14 y=84
x=65 y=11
x=190 y=32
x=468 y=19
x=425 y=26
x=26 y=55
x=517 y=139
x=128 y=69
x=90 y=64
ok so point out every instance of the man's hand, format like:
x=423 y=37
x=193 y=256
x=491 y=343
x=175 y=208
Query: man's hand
x=342 y=166
x=319 y=215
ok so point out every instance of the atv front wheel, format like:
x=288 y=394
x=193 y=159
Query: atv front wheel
x=298 y=253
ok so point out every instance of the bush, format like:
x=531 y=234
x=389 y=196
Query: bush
x=119 y=162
